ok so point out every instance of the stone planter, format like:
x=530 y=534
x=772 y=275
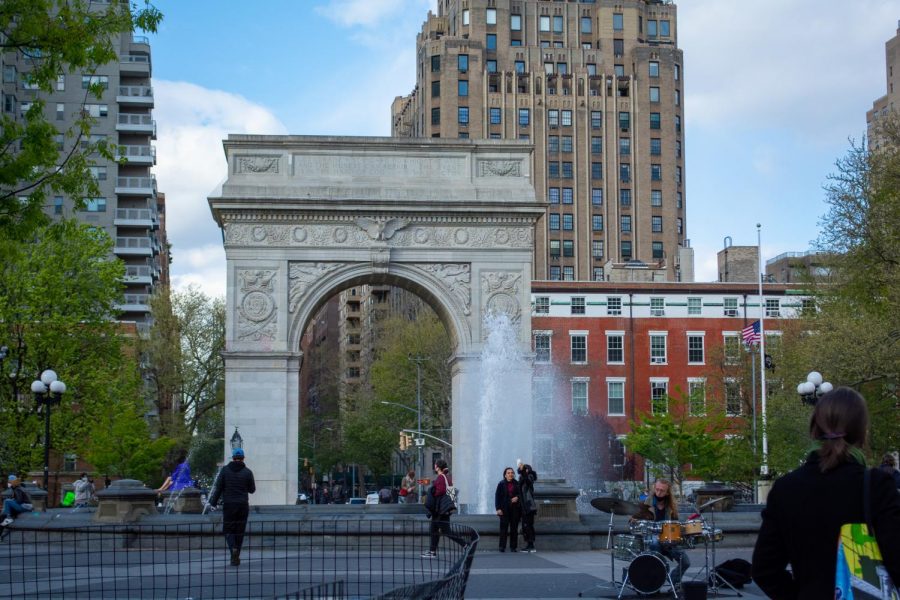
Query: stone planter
x=125 y=501
x=716 y=490
x=184 y=501
x=555 y=500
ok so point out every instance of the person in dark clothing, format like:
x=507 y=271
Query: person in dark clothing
x=527 y=477
x=508 y=504
x=18 y=503
x=889 y=466
x=806 y=508
x=235 y=483
x=439 y=506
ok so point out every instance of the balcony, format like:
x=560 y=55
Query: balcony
x=136 y=186
x=139 y=274
x=135 y=64
x=135 y=303
x=135 y=217
x=136 y=123
x=137 y=155
x=135 y=95
x=134 y=246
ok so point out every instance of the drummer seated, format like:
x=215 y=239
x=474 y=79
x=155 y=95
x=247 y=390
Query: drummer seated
x=661 y=506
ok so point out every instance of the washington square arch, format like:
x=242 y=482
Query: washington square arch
x=304 y=218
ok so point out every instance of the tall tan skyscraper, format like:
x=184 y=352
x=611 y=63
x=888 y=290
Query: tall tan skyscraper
x=888 y=102
x=598 y=88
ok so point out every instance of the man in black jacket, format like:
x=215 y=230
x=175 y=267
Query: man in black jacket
x=234 y=484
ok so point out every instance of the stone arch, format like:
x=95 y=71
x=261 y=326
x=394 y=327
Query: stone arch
x=450 y=220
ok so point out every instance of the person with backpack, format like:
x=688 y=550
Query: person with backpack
x=235 y=484
x=527 y=477
x=439 y=505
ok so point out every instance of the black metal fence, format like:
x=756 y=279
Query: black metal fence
x=280 y=559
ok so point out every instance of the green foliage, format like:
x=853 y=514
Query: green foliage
x=206 y=451
x=369 y=439
x=56 y=37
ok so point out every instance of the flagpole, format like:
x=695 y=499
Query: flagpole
x=764 y=468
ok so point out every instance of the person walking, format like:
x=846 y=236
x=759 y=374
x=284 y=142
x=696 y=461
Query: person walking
x=408 y=488
x=235 y=484
x=508 y=504
x=527 y=477
x=84 y=491
x=806 y=508
x=18 y=504
x=439 y=505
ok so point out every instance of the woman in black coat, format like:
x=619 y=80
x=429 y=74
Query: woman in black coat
x=508 y=503
x=807 y=507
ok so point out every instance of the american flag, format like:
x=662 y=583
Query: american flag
x=750 y=333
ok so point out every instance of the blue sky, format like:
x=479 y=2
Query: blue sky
x=773 y=92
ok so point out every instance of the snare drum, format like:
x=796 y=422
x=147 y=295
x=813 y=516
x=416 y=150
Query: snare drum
x=713 y=535
x=669 y=532
x=693 y=527
x=626 y=547
x=642 y=528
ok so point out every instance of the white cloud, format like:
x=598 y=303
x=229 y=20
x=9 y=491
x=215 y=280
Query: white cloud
x=192 y=122
x=369 y=13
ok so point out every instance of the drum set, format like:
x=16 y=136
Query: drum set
x=647 y=571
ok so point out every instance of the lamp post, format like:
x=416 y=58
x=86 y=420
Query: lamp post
x=48 y=390
x=236 y=440
x=814 y=386
x=419 y=359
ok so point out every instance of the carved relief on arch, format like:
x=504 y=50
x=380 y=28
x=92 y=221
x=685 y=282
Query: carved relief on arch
x=256 y=305
x=302 y=275
x=500 y=291
x=455 y=279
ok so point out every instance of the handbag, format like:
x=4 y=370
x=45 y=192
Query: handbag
x=859 y=562
x=452 y=492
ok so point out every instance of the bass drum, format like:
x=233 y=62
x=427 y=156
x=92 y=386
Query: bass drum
x=647 y=572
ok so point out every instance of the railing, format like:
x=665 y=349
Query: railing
x=132 y=242
x=131 y=151
x=135 y=58
x=279 y=559
x=133 y=299
x=136 y=91
x=136 y=182
x=138 y=271
x=135 y=119
x=134 y=214
x=140 y=39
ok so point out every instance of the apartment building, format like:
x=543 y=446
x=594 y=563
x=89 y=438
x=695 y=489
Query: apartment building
x=128 y=207
x=889 y=102
x=598 y=88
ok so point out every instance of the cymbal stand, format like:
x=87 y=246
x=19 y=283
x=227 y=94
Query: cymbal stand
x=715 y=580
x=610 y=530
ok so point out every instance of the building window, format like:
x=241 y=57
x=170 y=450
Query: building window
x=557 y=24
x=555 y=273
x=697 y=397
x=678 y=175
x=625 y=146
x=591 y=68
x=554 y=248
x=626 y=250
x=694 y=306
x=624 y=120
x=553 y=169
x=677 y=72
x=618 y=22
x=654 y=120
x=553 y=195
x=655 y=172
x=436 y=89
x=524 y=117
x=553 y=118
x=568 y=273
x=679 y=200
x=515 y=22
x=659 y=396
x=773 y=308
x=520 y=66
x=586 y=25
x=463 y=115
x=619 y=70
x=562 y=68
x=542 y=348
x=495 y=116
x=651 y=28
x=491 y=66
x=615 y=348
x=655 y=146
x=732 y=347
x=463 y=87
x=435 y=116
x=579 y=397
x=597 y=196
x=490 y=16
x=677 y=124
x=695 y=349
x=653 y=67
x=70 y=462
x=657 y=307
x=596 y=145
x=625 y=172
x=568 y=246
x=615 y=392
x=577 y=305
x=95 y=204
x=732 y=398
x=578 y=348
x=95 y=80
x=568 y=222
x=98 y=172
x=542 y=394
x=567 y=169
x=677 y=149
x=656 y=224
x=435 y=63
x=554 y=221
x=677 y=97
x=614 y=306
x=542 y=305
x=596 y=222
x=465 y=17
x=566 y=143
x=60 y=111
x=567 y=196
x=9 y=74
x=807 y=307
x=462 y=63
x=596 y=170
x=597 y=250
x=679 y=226
x=730 y=307
x=596 y=119
x=567 y=118
x=625 y=197
x=656 y=198
x=57 y=205
x=626 y=223
x=654 y=94
x=657 y=349
x=598 y=274
x=544 y=23
x=657 y=249
x=491 y=41
x=553 y=144
x=664 y=28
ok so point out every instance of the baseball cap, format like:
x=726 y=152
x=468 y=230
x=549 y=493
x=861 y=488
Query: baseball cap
x=12 y=478
x=237 y=453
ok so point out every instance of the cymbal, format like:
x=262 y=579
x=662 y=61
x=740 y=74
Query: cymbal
x=710 y=503
x=616 y=506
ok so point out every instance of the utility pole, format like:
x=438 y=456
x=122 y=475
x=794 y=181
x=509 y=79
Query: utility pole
x=420 y=449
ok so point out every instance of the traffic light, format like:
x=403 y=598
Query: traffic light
x=404 y=441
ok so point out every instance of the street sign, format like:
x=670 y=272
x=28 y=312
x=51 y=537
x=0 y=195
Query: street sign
x=420 y=441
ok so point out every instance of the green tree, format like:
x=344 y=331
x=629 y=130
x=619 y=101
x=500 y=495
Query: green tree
x=54 y=38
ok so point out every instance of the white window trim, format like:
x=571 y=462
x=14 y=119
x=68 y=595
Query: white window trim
x=624 y=382
x=691 y=380
x=587 y=393
x=572 y=334
x=616 y=333
x=664 y=380
x=690 y=334
x=549 y=334
x=726 y=381
x=665 y=336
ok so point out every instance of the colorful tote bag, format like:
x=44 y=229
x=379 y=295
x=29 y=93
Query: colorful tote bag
x=860 y=572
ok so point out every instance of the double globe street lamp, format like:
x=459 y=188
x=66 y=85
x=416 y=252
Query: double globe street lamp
x=814 y=386
x=48 y=390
